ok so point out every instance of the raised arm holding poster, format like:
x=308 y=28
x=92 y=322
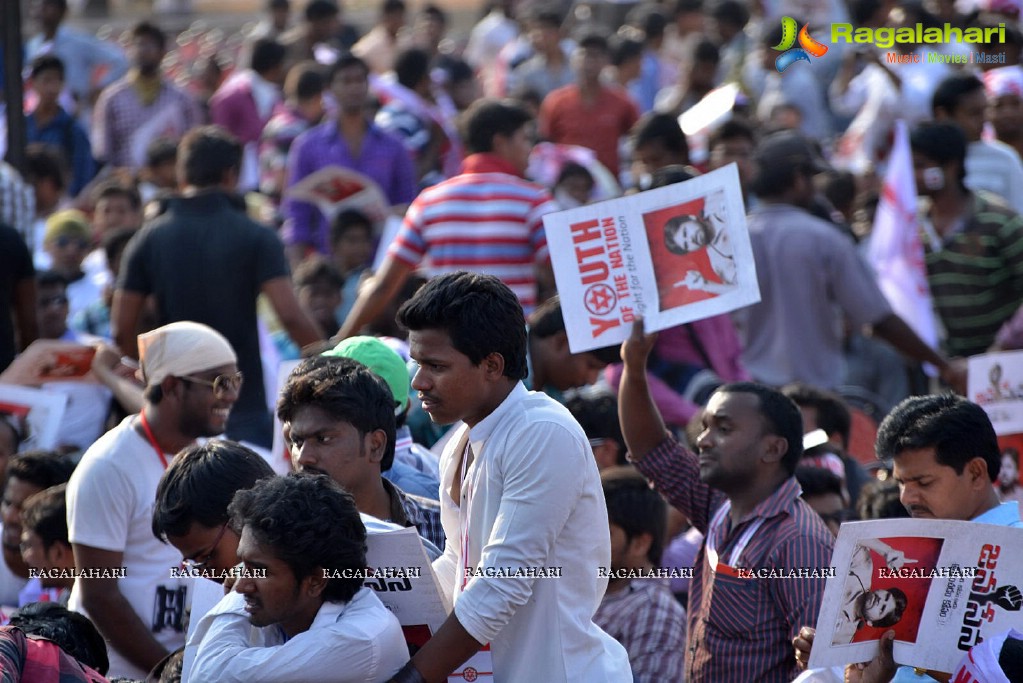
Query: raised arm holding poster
x=673 y=255
x=942 y=586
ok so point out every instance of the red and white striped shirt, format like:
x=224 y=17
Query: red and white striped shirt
x=488 y=220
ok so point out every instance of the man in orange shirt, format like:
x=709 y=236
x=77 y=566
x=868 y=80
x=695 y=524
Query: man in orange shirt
x=589 y=113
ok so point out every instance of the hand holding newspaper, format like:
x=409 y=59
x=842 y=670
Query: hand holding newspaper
x=942 y=586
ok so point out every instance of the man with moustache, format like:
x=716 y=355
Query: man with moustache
x=946 y=460
x=192 y=382
x=521 y=492
x=739 y=490
x=299 y=611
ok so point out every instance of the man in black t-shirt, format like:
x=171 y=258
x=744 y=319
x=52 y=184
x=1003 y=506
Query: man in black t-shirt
x=204 y=260
x=17 y=296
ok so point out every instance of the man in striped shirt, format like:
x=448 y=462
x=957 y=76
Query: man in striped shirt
x=488 y=219
x=973 y=243
x=740 y=492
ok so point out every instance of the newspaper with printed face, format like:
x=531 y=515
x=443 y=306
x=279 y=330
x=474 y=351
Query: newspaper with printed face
x=942 y=586
x=673 y=255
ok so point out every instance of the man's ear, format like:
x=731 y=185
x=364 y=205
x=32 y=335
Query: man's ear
x=377 y=443
x=775 y=448
x=314 y=584
x=493 y=365
x=639 y=546
x=978 y=472
x=560 y=343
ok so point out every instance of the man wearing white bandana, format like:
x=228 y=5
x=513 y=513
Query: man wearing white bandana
x=192 y=381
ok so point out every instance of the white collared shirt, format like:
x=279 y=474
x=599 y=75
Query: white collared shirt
x=535 y=501
x=359 y=641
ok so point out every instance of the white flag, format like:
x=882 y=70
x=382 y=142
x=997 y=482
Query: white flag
x=895 y=250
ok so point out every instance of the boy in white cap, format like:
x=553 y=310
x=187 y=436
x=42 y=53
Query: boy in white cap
x=192 y=381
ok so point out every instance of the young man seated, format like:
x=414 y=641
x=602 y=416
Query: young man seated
x=639 y=610
x=45 y=547
x=289 y=618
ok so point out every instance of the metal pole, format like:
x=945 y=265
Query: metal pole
x=10 y=35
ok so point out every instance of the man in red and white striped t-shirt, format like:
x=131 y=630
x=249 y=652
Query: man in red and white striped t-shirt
x=488 y=219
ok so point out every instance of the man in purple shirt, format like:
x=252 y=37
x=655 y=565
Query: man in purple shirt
x=352 y=141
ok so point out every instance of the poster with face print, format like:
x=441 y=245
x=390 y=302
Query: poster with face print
x=942 y=587
x=672 y=255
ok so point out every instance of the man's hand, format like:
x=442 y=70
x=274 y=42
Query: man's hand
x=954 y=375
x=881 y=669
x=637 y=347
x=896 y=559
x=802 y=644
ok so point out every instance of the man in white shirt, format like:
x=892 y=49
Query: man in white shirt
x=192 y=381
x=520 y=496
x=291 y=617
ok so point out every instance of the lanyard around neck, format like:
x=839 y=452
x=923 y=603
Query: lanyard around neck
x=152 y=439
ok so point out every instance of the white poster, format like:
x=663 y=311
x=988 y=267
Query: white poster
x=36 y=412
x=673 y=255
x=995 y=382
x=942 y=586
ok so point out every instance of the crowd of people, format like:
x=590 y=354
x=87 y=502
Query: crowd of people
x=276 y=383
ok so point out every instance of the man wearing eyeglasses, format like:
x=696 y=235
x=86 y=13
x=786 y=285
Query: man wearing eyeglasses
x=191 y=382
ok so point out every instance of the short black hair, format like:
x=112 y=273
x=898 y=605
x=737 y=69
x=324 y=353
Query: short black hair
x=114 y=188
x=435 y=13
x=308 y=522
x=267 y=55
x=115 y=242
x=900 y=606
x=321 y=9
x=346 y=390
x=781 y=417
x=833 y=414
x=547 y=320
x=411 y=66
x=162 y=150
x=46 y=162
x=731 y=12
x=818 y=481
x=40 y=468
x=624 y=49
x=47 y=62
x=198 y=486
x=732 y=129
x=346 y=61
x=392 y=7
x=941 y=142
x=706 y=52
x=573 y=170
x=45 y=514
x=880 y=500
x=635 y=507
x=317 y=268
x=50 y=278
x=544 y=16
x=593 y=39
x=480 y=314
x=597 y=413
x=955 y=428
x=208 y=153
x=305 y=80
x=486 y=118
x=662 y=128
x=349 y=219
x=73 y=632
x=145 y=29
x=951 y=91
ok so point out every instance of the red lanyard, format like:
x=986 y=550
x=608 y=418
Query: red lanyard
x=152 y=439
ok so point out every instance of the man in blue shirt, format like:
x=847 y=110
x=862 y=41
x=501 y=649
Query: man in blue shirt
x=946 y=460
